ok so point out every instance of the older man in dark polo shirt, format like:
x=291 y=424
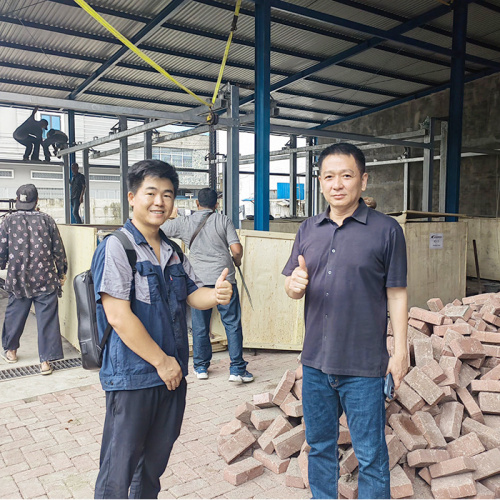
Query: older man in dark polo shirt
x=350 y=263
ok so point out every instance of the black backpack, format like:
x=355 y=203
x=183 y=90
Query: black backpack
x=83 y=284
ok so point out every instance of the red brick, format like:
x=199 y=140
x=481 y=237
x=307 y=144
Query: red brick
x=435 y=305
x=491 y=362
x=470 y=404
x=457 y=312
x=424 y=458
x=487 y=464
x=348 y=485
x=467 y=374
x=493 y=483
x=492 y=421
x=475 y=363
x=264 y=400
x=409 y=398
x=290 y=398
x=433 y=371
x=294 y=409
x=231 y=427
x=489 y=402
x=462 y=328
x=450 y=335
x=485 y=385
x=284 y=387
x=424 y=474
x=293 y=476
x=408 y=432
x=429 y=429
x=303 y=461
x=477 y=299
x=453 y=466
x=491 y=318
x=424 y=386
x=279 y=426
x=492 y=374
x=236 y=445
x=262 y=419
x=492 y=305
x=429 y=317
x=486 y=337
x=422 y=349
x=412 y=334
x=344 y=435
x=488 y=436
x=297 y=388
x=449 y=395
x=244 y=411
x=437 y=346
x=243 y=471
x=467 y=348
x=451 y=367
x=451 y=419
x=457 y=486
x=401 y=486
x=348 y=462
x=271 y=462
x=483 y=491
x=421 y=326
x=440 y=330
x=290 y=442
x=395 y=448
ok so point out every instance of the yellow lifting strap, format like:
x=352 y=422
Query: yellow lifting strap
x=226 y=52
x=87 y=8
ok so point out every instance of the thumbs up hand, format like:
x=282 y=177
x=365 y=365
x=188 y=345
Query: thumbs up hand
x=223 y=289
x=299 y=278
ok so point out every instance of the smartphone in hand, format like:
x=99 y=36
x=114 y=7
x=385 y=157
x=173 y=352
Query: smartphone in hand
x=389 y=390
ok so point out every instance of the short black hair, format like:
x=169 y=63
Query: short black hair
x=344 y=148
x=207 y=198
x=43 y=121
x=151 y=168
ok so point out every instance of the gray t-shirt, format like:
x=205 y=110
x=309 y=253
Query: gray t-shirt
x=210 y=253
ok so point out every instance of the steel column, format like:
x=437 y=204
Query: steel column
x=293 y=177
x=123 y=171
x=443 y=157
x=66 y=179
x=428 y=167
x=262 y=113
x=456 y=108
x=308 y=188
x=406 y=186
x=148 y=145
x=232 y=182
x=86 y=173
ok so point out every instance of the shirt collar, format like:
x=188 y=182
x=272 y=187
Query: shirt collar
x=138 y=236
x=360 y=214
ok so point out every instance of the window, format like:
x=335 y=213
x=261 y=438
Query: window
x=53 y=176
x=54 y=122
x=178 y=157
x=9 y=174
x=102 y=177
x=50 y=193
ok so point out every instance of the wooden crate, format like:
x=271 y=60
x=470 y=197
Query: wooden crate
x=486 y=232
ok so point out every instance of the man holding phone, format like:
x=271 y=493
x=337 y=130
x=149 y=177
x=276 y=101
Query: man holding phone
x=350 y=264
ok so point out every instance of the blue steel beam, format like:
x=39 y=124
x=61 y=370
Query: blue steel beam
x=357 y=49
x=455 y=115
x=392 y=35
x=488 y=5
x=262 y=113
x=155 y=24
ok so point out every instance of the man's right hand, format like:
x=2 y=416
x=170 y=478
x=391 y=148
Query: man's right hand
x=299 y=278
x=170 y=372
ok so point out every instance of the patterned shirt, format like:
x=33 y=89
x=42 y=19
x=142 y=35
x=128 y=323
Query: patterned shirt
x=33 y=249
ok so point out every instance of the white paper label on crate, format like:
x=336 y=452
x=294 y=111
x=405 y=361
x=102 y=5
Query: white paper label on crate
x=436 y=240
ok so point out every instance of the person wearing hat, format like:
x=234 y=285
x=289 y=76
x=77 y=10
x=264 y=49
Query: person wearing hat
x=33 y=249
x=29 y=134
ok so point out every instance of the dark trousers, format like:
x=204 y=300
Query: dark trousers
x=75 y=210
x=32 y=145
x=140 y=429
x=47 y=320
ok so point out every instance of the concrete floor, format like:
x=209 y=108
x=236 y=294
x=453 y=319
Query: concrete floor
x=51 y=429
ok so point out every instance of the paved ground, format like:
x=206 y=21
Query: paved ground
x=51 y=427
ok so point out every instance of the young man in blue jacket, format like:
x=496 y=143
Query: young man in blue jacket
x=146 y=357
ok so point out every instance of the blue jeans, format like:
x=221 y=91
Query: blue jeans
x=324 y=397
x=231 y=319
x=75 y=210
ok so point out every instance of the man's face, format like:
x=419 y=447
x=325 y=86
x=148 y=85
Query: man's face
x=341 y=182
x=74 y=169
x=153 y=202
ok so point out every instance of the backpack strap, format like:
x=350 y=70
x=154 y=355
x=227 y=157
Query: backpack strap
x=177 y=249
x=199 y=228
x=132 y=260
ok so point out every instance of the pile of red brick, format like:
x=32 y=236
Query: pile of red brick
x=443 y=428
x=268 y=432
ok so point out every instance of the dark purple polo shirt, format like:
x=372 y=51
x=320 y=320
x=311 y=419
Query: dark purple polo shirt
x=349 y=269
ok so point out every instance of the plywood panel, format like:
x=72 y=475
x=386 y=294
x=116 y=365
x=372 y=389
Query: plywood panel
x=435 y=272
x=486 y=232
x=276 y=321
x=80 y=243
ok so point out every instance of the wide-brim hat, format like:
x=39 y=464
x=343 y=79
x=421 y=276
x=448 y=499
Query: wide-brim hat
x=26 y=197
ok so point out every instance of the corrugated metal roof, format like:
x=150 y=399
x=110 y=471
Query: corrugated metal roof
x=49 y=48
